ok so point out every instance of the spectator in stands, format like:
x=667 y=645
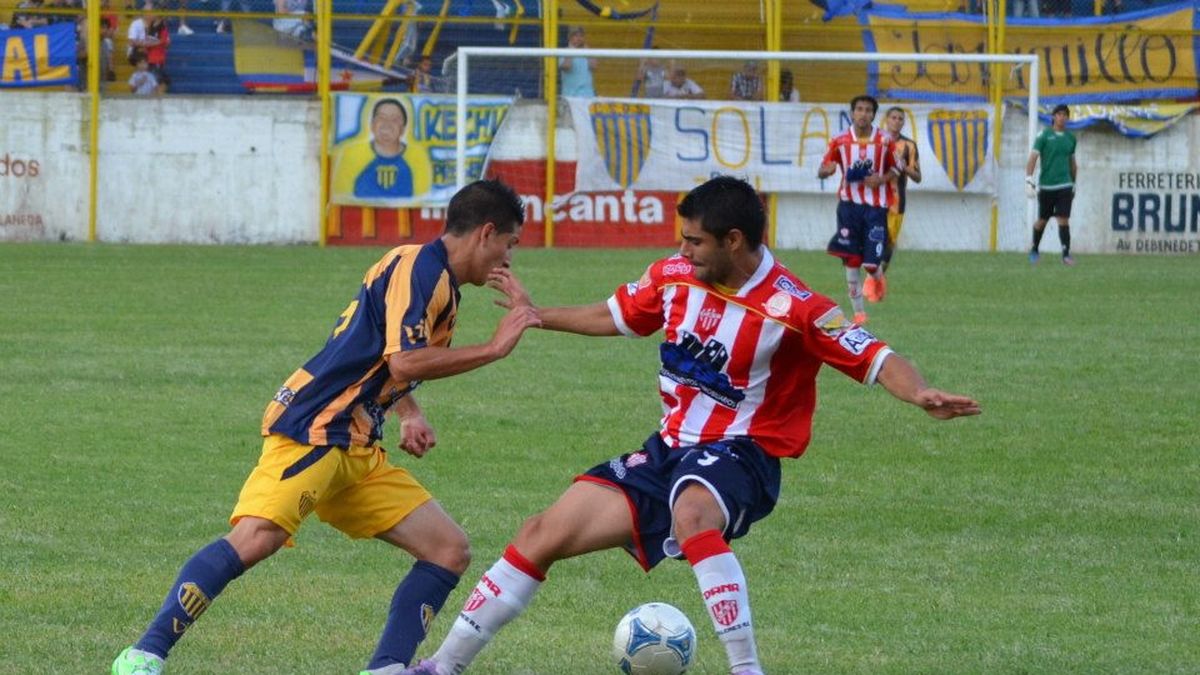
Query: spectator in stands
x=299 y=28
x=1021 y=8
x=747 y=84
x=422 y=79
x=787 y=88
x=226 y=5
x=142 y=82
x=184 y=28
x=156 y=54
x=139 y=37
x=681 y=86
x=108 y=31
x=29 y=18
x=652 y=75
x=577 y=71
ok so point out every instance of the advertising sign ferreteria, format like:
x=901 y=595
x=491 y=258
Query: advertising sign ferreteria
x=1134 y=56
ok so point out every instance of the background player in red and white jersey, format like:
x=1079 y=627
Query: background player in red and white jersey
x=743 y=340
x=866 y=156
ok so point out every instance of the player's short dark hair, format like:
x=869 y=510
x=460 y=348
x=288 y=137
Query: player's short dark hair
x=725 y=203
x=893 y=109
x=869 y=99
x=1063 y=108
x=390 y=101
x=484 y=201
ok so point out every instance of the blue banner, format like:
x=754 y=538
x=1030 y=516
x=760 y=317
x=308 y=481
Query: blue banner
x=38 y=57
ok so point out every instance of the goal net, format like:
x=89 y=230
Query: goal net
x=635 y=128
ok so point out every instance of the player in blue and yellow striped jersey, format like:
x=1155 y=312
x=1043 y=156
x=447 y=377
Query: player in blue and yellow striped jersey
x=322 y=430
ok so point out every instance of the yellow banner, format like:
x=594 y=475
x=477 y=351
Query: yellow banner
x=1145 y=60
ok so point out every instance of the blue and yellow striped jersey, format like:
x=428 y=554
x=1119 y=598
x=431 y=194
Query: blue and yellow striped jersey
x=408 y=300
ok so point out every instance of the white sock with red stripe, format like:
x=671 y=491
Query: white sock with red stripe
x=723 y=586
x=503 y=592
x=854 y=286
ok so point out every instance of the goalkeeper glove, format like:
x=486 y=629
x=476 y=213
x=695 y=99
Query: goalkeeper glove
x=1031 y=188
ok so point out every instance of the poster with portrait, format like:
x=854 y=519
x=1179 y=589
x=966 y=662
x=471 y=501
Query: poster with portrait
x=397 y=150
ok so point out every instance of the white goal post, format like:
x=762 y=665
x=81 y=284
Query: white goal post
x=1016 y=77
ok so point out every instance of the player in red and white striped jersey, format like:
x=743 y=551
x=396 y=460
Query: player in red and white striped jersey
x=866 y=156
x=743 y=340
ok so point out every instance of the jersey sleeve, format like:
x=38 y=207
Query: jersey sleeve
x=637 y=307
x=409 y=307
x=889 y=157
x=834 y=340
x=832 y=154
x=1039 y=143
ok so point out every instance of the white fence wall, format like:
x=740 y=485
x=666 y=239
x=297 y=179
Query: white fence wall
x=245 y=170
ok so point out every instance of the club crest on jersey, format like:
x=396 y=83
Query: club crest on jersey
x=708 y=318
x=779 y=304
x=832 y=323
x=788 y=286
x=855 y=340
x=960 y=142
x=622 y=133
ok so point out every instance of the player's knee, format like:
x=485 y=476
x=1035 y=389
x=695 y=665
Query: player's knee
x=456 y=555
x=539 y=541
x=256 y=539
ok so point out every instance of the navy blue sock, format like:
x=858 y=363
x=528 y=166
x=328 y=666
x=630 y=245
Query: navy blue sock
x=418 y=598
x=202 y=577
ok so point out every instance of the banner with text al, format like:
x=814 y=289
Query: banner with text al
x=778 y=147
x=38 y=57
x=396 y=150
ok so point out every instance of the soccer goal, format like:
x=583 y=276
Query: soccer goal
x=649 y=121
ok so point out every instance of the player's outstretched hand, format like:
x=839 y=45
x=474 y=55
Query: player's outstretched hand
x=512 y=326
x=1031 y=188
x=502 y=279
x=416 y=435
x=943 y=405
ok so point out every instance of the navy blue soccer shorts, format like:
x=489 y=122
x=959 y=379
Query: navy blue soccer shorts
x=861 y=235
x=742 y=477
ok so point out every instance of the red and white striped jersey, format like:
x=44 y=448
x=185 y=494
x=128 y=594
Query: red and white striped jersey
x=876 y=152
x=742 y=363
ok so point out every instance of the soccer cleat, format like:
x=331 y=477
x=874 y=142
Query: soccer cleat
x=1033 y=257
x=1068 y=261
x=870 y=289
x=881 y=288
x=393 y=669
x=423 y=667
x=860 y=318
x=137 y=662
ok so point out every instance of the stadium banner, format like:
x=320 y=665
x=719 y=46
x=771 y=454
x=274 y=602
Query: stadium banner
x=1149 y=55
x=675 y=145
x=38 y=57
x=1135 y=121
x=623 y=218
x=397 y=150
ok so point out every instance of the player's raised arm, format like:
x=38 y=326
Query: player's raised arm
x=432 y=362
x=594 y=319
x=903 y=381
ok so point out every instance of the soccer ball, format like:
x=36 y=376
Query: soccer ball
x=654 y=639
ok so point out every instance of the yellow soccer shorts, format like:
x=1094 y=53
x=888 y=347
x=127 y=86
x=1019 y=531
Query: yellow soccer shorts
x=355 y=490
x=894 y=222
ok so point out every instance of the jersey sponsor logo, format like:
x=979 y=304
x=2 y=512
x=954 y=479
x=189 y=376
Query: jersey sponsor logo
x=722 y=588
x=779 y=304
x=725 y=612
x=708 y=318
x=707 y=460
x=284 y=396
x=192 y=600
x=788 y=286
x=856 y=340
x=675 y=268
x=832 y=323
x=697 y=364
x=636 y=459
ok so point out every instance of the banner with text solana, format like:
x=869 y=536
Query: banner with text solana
x=1149 y=54
x=675 y=145
x=38 y=57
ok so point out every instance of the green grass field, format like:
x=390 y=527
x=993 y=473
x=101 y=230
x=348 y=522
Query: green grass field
x=1057 y=533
